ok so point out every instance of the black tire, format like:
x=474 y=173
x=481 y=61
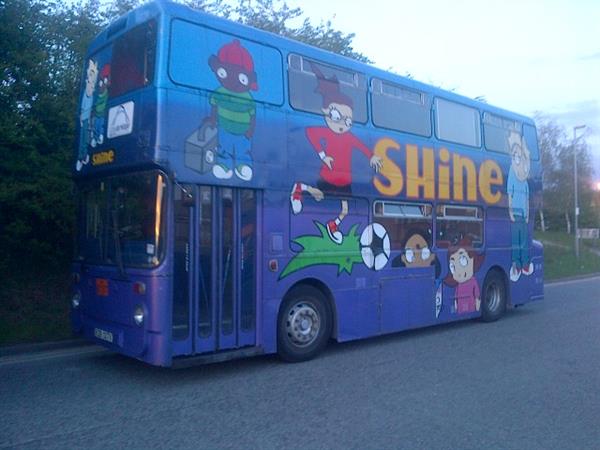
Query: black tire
x=304 y=324
x=493 y=297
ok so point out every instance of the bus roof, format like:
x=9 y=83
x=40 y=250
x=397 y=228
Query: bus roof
x=169 y=10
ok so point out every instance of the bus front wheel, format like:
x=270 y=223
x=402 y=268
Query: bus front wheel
x=493 y=301
x=304 y=324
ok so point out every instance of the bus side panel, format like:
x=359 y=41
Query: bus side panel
x=530 y=288
x=351 y=286
x=356 y=312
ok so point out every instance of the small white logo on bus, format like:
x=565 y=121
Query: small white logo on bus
x=120 y=120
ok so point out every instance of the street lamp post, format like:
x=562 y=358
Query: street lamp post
x=578 y=127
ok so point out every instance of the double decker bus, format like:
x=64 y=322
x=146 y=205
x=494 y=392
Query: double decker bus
x=244 y=194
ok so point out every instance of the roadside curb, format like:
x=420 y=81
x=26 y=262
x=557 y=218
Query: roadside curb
x=573 y=278
x=39 y=347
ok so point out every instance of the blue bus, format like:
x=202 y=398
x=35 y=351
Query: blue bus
x=242 y=194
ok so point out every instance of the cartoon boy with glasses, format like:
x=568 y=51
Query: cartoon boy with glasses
x=86 y=114
x=517 y=190
x=417 y=254
x=334 y=144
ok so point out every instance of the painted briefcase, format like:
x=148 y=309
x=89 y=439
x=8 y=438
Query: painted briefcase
x=201 y=148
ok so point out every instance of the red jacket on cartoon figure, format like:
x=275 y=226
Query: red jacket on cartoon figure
x=339 y=147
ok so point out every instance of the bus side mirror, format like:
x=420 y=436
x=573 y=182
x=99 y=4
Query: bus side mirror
x=185 y=195
x=187 y=200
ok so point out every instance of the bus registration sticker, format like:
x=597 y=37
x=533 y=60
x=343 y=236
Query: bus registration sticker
x=104 y=335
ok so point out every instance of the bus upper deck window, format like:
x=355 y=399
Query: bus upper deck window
x=497 y=130
x=133 y=59
x=400 y=108
x=306 y=95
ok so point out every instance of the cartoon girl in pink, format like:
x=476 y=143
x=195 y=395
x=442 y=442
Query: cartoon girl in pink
x=463 y=262
x=333 y=144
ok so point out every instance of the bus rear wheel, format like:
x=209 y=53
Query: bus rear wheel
x=304 y=324
x=493 y=301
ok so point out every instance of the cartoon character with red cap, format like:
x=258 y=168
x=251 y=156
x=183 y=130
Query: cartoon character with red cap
x=233 y=110
x=334 y=144
x=100 y=106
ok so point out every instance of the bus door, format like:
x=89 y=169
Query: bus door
x=407 y=298
x=226 y=295
x=183 y=280
x=223 y=279
x=407 y=281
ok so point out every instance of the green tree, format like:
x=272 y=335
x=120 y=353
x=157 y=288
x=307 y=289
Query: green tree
x=216 y=7
x=556 y=150
x=276 y=16
x=40 y=59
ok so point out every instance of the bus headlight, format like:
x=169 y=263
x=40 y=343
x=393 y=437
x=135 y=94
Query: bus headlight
x=76 y=300
x=138 y=315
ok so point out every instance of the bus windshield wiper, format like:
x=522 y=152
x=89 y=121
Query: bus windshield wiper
x=117 y=239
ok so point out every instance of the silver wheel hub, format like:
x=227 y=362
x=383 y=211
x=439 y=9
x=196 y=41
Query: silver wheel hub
x=493 y=296
x=303 y=324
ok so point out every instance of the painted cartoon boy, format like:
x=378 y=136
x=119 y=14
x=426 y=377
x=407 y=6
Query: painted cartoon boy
x=418 y=254
x=233 y=110
x=334 y=144
x=517 y=189
x=463 y=262
x=85 y=115
x=100 y=105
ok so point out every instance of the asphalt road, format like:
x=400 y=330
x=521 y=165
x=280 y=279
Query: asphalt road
x=529 y=381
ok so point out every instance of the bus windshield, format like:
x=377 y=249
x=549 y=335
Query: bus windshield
x=122 y=220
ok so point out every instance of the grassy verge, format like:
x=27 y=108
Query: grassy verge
x=35 y=310
x=559 y=255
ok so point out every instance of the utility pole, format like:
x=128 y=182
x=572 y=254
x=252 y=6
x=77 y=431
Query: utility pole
x=578 y=127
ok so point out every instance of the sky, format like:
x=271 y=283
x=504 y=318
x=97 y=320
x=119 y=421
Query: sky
x=525 y=56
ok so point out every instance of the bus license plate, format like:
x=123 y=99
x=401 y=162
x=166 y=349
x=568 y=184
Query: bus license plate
x=104 y=335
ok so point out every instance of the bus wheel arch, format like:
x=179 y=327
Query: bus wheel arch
x=494 y=295
x=306 y=321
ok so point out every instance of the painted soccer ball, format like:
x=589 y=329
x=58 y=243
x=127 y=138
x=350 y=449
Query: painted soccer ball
x=375 y=246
